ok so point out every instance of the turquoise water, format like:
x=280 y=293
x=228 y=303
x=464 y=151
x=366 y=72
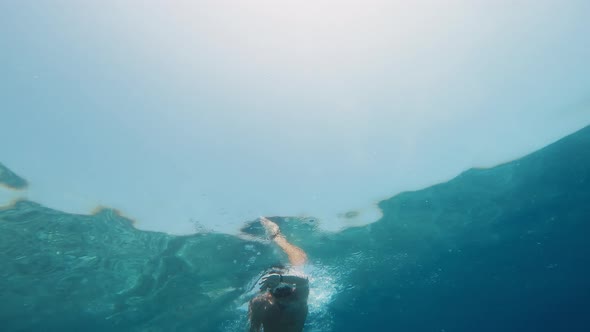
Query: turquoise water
x=499 y=249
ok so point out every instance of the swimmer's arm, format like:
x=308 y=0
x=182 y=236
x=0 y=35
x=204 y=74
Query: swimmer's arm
x=297 y=256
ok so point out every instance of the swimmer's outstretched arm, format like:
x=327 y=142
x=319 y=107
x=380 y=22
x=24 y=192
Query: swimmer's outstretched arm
x=296 y=255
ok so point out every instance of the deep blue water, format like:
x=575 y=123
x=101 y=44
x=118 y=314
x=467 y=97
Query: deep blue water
x=500 y=249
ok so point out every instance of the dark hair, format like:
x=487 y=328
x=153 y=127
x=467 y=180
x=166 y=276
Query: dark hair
x=282 y=290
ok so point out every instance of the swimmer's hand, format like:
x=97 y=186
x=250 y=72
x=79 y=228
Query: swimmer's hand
x=270 y=281
x=272 y=229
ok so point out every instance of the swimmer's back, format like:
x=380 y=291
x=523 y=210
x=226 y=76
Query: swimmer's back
x=283 y=316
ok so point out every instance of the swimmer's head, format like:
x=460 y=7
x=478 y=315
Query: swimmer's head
x=282 y=290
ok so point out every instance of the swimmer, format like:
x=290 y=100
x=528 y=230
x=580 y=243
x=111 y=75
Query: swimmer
x=281 y=305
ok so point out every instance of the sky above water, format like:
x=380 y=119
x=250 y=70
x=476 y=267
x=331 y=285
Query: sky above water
x=221 y=111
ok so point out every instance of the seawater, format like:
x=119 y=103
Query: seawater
x=500 y=249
